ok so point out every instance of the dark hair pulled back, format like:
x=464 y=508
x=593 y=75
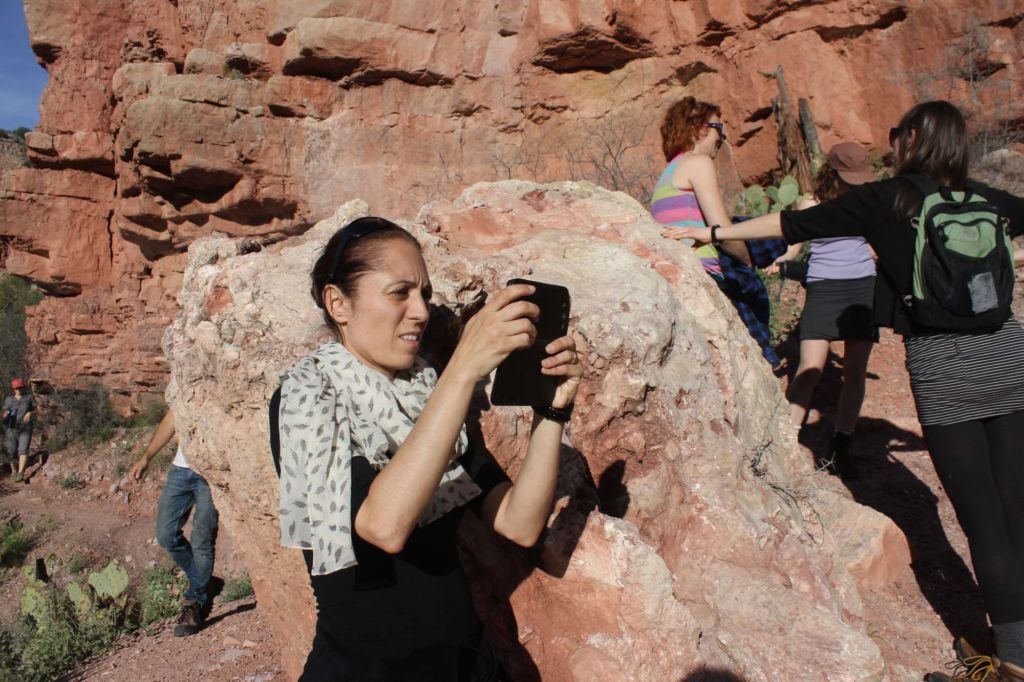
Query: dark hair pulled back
x=350 y=253
x=827 y=183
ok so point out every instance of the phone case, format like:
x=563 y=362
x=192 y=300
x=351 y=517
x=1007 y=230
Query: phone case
x=518 y=380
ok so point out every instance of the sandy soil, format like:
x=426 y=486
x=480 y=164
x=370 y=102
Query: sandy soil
x=912 y=621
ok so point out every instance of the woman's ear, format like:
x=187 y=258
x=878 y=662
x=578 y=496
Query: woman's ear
x=337 y=305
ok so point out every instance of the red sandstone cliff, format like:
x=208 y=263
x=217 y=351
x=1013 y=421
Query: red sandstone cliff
x=165 y=120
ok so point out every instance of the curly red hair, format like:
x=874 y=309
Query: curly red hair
x=683 y=125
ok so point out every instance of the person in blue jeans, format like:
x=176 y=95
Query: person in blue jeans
x=183 y=491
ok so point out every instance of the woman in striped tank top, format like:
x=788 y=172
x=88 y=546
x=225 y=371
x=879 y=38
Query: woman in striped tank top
x=687 y=195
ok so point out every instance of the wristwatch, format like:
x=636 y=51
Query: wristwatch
x=555 y=414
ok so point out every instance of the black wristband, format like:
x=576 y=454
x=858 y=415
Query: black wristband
x=555 y=414
x=714 y=235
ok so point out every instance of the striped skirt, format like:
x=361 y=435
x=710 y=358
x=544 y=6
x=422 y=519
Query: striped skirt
x=959 y=377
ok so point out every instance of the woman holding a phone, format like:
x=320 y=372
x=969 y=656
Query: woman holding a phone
x=376 y=468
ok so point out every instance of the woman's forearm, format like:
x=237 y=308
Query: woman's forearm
x=766 y=226
x=762 y=227
x=403 y=488
x=523 y=511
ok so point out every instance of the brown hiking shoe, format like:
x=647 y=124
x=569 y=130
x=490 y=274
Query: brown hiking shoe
x=190 y=620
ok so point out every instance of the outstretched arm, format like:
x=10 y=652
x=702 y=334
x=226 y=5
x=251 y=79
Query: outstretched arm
x=766 y=226
x=700 y=172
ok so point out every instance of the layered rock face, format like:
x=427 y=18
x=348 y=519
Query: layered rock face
x=688 y=535
x=167 y=120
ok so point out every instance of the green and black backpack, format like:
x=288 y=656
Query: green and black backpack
x=963 y=261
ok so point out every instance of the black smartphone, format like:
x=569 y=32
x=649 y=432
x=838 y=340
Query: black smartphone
x=518 y=380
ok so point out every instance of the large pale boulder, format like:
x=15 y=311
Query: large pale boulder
x=679 y=540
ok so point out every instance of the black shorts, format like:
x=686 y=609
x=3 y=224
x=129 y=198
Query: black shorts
x=839 y=309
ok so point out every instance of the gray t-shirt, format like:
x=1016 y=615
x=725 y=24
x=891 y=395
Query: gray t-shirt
x=18 y=407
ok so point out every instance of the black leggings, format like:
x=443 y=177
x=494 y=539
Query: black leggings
x=981 y=466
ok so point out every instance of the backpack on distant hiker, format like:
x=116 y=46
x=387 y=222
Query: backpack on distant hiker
x=963 y=261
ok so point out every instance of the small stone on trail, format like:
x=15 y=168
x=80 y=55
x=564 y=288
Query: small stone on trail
x=230 y=641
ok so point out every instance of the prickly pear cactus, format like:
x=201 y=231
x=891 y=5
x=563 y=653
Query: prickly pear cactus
x=34 y=605
x=110 y=584
x=754 y=202
x=786 y=195
x=757 y=200
x=80 y=598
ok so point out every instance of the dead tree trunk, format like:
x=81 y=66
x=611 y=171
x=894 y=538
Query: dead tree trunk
x=810 y=131
x=792 y=152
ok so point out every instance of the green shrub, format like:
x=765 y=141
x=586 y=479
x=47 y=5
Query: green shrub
x=83 y=416
x=15 y=295
x=237 y=588
x=78 y=563
x=150 y=415
x=161 y=594
x=71 y=481
x=15 y=543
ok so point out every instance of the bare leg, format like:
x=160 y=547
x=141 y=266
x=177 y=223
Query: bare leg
x=855 y=367
x=813 y=354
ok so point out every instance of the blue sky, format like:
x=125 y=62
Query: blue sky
x=21 y=78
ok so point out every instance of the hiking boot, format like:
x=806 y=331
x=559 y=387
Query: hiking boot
x=971 y=666
x=839 y=461
x=190 y=620
x=18 y=477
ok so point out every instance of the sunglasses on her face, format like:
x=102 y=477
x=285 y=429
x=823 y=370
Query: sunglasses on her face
x=720 y=127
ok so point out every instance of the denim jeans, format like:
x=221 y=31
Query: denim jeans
x=183 y=491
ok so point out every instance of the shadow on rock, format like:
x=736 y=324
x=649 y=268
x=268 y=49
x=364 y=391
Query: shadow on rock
x=712 y=675
x=241 y=608
x=889 y=487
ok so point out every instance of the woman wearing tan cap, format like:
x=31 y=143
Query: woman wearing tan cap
x=840 y=291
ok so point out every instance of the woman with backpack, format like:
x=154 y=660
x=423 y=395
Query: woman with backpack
x=840 y=285
x=965 y=350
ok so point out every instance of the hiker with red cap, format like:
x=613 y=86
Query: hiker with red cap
x=17 y=416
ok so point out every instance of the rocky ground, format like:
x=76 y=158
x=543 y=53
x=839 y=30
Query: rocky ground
x=912 y=620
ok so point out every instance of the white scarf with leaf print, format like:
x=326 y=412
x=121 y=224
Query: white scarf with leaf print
x=333 y=408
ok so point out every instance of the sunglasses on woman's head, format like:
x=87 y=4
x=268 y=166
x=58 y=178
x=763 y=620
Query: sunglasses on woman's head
x=359 y=227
